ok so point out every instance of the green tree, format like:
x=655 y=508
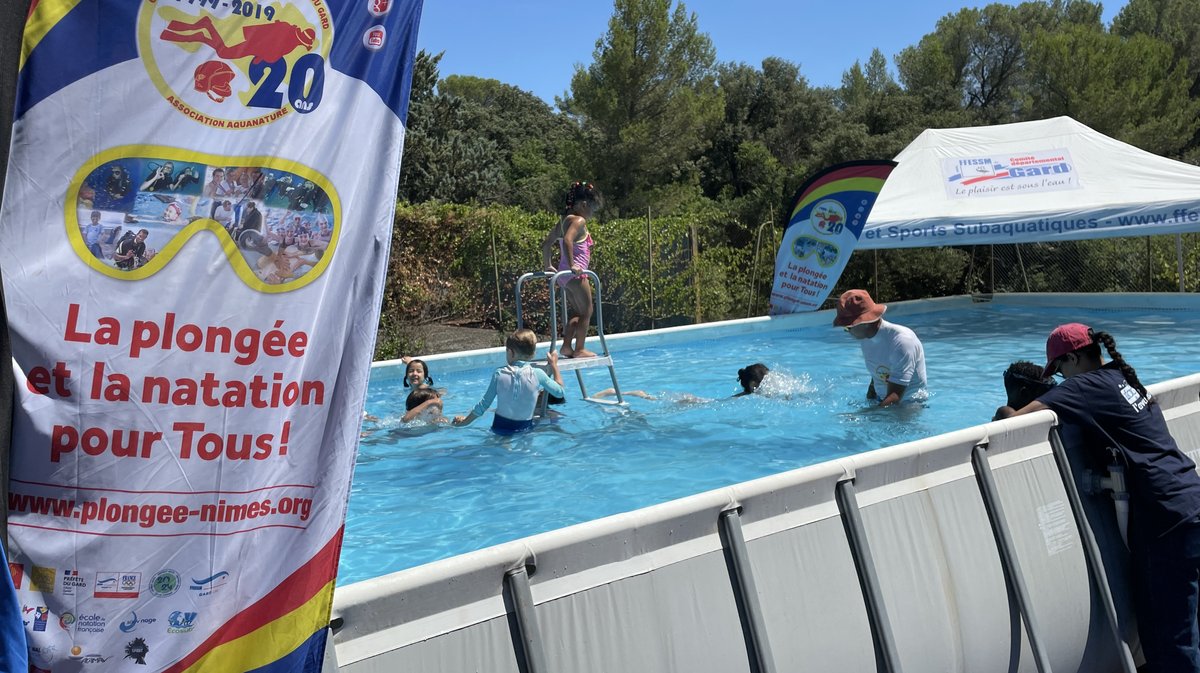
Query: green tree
x=978 y=56
x=1177 y=23
x=648 y=101
x=446 y=157
x=773 y=120
x=878 y=118
x=535 y=144
x=1129 y=88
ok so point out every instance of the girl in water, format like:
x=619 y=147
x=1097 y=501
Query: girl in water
x=751 y=377
x=416 y=374
x=575 y=253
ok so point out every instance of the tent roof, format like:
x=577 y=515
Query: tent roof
x=1093 y=187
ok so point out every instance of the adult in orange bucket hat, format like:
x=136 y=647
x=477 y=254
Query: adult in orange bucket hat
x=894 y=356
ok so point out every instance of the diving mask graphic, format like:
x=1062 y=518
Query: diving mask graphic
x=278 y=221
x=806 y=246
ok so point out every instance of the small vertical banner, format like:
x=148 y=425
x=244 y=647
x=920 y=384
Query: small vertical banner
x=195 y=201
x=830 y=211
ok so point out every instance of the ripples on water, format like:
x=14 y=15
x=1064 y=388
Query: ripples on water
x=425 y=493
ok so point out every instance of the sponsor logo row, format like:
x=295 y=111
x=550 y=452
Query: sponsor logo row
x=43 y=657
x=111 y=584
x=37 y=618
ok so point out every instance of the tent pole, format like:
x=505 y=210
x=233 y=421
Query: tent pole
x=1149 y=267
x=970 y=288
x=991 y=269
x=1179 y=259
x=1021 y=261
x=650 y=262
x=876 y=272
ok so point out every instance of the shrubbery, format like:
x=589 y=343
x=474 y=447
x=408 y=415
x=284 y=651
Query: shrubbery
x=446 y=259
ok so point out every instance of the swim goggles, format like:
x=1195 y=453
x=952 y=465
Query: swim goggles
x=807 y=246
x=131 y=210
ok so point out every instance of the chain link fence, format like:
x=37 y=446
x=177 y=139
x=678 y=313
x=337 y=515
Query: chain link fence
x=1139 y=264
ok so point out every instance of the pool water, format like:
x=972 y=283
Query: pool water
x=421 y=494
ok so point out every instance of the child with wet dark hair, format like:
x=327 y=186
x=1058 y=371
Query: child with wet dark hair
x=751 y=377
x=1023 y=383
x=424 y=404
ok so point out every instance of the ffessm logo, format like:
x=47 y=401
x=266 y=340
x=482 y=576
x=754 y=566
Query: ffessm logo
x=975 y=171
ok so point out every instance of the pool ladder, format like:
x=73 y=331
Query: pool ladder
x=603 y=357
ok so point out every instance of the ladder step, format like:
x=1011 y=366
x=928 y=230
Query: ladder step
x=571 y=364
x=608 y=403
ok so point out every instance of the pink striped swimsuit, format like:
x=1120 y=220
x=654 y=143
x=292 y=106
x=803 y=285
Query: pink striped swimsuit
x=581 y=255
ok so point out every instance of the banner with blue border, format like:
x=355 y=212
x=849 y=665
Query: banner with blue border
x=828 y=216
x=194 y=200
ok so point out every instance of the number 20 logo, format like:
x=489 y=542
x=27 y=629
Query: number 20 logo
x=305 y=83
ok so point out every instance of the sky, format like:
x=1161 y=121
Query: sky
x=536 y=44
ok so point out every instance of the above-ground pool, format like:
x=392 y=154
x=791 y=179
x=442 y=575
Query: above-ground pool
x=423 y=494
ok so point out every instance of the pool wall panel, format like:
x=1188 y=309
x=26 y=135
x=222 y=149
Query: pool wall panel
x=652 y=590
x=1049 y=545
x=486 y=646
x=1180 y=402
x=682 y=617
x=805 y=576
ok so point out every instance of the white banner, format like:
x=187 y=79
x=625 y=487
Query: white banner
x=1009 y=174
x=827 y=218
x=194 y=206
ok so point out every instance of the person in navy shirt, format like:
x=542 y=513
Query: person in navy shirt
x=1111 y=407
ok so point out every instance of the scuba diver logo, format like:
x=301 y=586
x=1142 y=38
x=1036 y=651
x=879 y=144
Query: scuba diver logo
x=828 y=217
x=231 y=64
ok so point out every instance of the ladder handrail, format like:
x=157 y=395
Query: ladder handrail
x=598 y=311
x=553 y=277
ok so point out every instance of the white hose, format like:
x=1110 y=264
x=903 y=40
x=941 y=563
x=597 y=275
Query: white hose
x=1121 y=505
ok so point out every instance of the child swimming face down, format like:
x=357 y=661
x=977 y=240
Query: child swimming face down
x=751 y=377
x=430 y=404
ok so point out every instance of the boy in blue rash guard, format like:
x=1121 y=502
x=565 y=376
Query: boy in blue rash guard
x=1111 y=407
x=515 y=386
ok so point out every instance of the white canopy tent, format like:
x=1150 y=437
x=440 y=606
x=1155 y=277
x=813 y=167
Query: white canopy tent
x=1037 y=181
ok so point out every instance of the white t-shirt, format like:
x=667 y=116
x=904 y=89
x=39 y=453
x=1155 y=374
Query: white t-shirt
x=223 y=215
x=894 y=354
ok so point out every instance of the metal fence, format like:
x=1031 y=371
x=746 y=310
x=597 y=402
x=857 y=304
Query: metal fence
x=1141 y=264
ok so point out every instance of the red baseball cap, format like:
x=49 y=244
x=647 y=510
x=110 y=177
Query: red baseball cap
x=1065 y=339
x=856 y=306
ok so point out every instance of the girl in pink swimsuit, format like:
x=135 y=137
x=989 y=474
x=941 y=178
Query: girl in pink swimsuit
x=575 y=253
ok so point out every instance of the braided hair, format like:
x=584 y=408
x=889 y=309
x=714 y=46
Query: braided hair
x=582 y=192
x=1127 y=371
